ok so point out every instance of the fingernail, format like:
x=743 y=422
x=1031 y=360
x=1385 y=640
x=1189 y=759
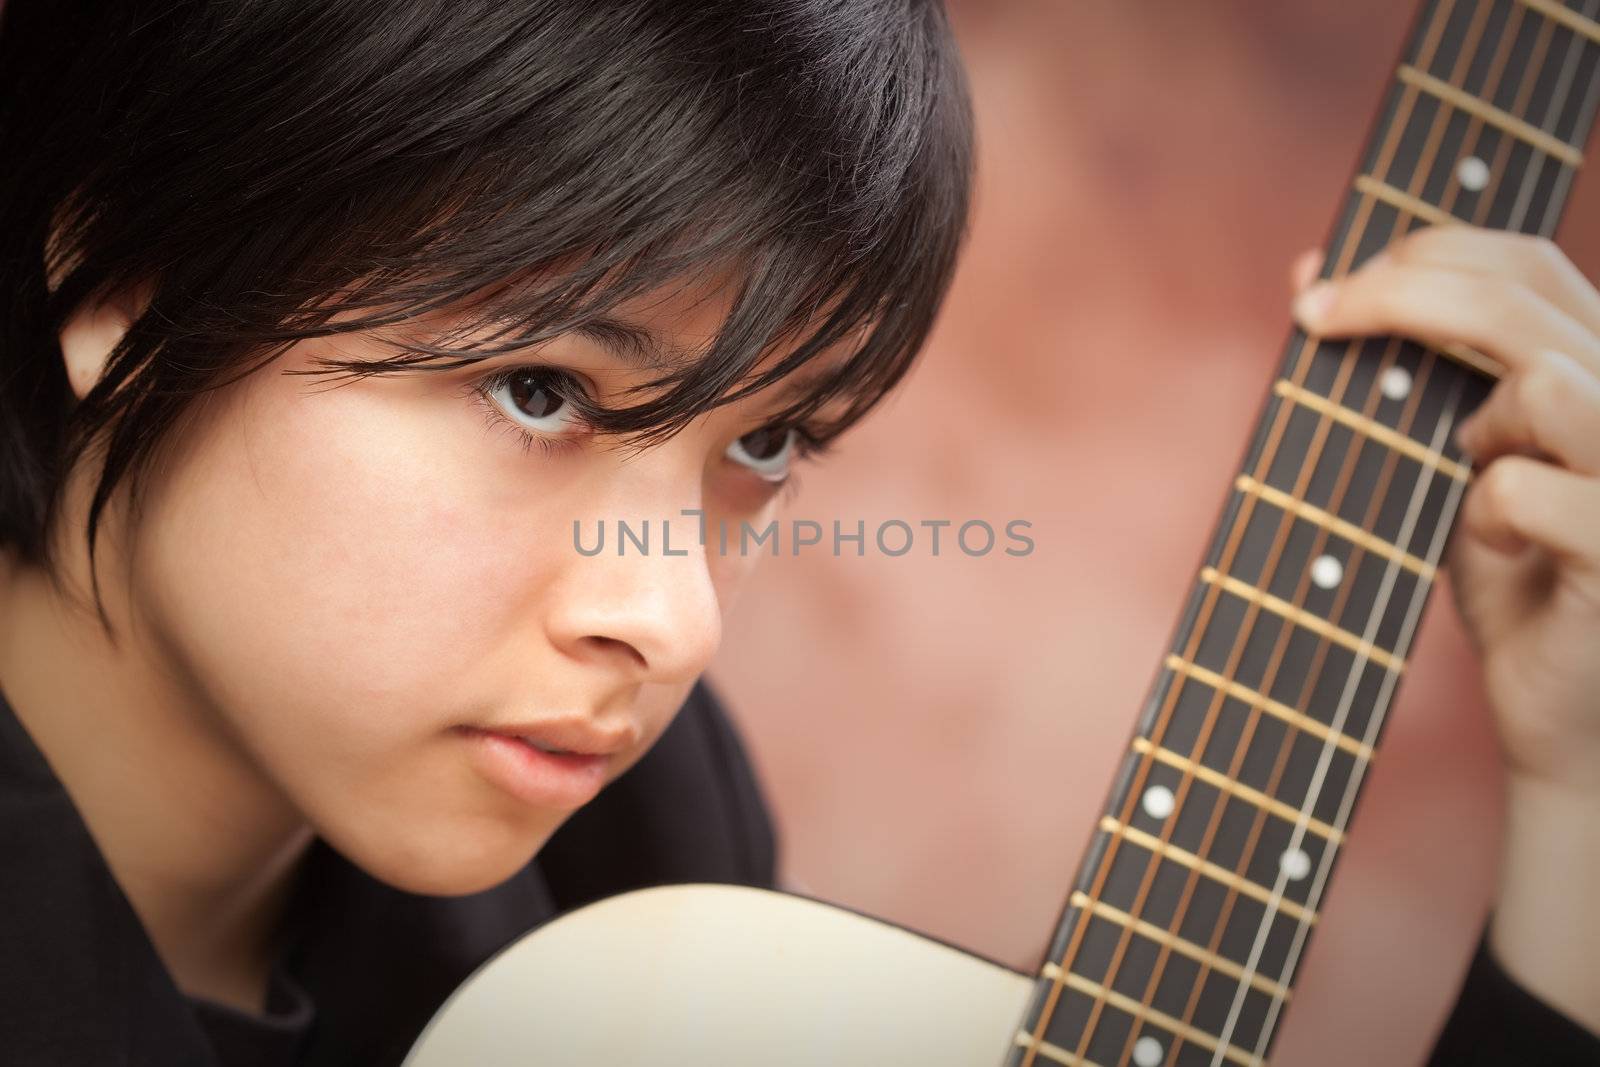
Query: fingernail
x=1313 y=302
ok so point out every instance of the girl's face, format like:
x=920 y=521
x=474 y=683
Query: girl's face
x=368 y=589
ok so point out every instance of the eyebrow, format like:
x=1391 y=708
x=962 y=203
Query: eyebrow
x=634 y=345
x=638 y=347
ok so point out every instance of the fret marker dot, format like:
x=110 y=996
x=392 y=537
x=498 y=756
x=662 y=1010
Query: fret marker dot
x=1159 y=802
x=1147 y=1052
x=1473 y=174
x=1395 y=383
x=1295 y=863
x=1326 y=572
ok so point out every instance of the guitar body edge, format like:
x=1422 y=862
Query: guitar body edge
x=712 y=974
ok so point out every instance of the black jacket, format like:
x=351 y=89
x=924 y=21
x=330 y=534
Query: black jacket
x=80 y=983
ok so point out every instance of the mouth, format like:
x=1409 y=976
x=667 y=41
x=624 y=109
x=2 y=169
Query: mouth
x=550 y=768
x=573 y=735
x=534 y=742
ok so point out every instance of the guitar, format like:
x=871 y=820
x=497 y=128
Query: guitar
x=1185 y=926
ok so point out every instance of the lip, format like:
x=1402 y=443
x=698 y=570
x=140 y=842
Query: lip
x=577 y=734
x=565 y=780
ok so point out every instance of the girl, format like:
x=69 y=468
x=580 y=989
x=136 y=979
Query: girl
x=329 y=321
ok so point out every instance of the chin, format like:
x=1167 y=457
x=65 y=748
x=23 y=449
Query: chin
x=449 y=864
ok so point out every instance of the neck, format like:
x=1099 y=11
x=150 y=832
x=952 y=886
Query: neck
x=1206 y=873
x=200 y=843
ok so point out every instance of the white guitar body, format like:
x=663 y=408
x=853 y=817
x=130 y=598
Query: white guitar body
x=707 y=975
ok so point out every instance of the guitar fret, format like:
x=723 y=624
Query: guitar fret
x=1566 y=17
x=1150 y=886
x=1518 y=128
x=1053 y=1053
x=1276 y=709
x=1226 y=830
x=1473 y=359
x=1251 y=758
x=1335 y=525
x=1467 y=24
x=1300 y=617
x=1160 y=935
x=1323 y=576
x=1367 y=185
x=1372 y=430
x=1235 y=788
x=1377 y=480
x=1211 y=870
x=1133 y=1007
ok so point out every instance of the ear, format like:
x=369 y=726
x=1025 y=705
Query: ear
x=88 y=339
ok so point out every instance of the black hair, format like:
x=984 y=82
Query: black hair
x=266 y=171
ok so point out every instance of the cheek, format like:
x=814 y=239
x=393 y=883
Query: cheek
x=345 y=551
x=340 y=575
x=731 y=570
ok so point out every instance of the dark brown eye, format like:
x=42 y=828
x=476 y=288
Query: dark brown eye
x=767 y=451
x=534 y=394
x=765 y=443
x=536 y=397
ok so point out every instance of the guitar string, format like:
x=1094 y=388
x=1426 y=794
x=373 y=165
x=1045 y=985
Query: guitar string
x=1559 y=98
x=1418 y=598
x=1261 y=818
x=1567 y=173
x=1414 y=610
x=1432 y=33
x=1420 y=383
x=1423 y=173
x=1357 y=672
x=1471 y=141
x=1322 y=650
x=1586 y=121
x=1212 y=593
x=1223 y=803
x=1517 y=218
x=1390 y=349
x=1506 y=144
x=1559 y=101
x=1044 y=1016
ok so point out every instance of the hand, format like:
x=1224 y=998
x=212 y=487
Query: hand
x=1525 y=557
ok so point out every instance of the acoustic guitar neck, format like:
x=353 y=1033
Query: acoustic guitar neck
x=1203 y=882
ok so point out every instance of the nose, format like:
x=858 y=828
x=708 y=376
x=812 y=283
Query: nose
x=644 y=605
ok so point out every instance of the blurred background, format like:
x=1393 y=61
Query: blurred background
x=938 y=735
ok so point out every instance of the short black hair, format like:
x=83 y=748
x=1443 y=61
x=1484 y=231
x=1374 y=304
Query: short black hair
x=268 y=171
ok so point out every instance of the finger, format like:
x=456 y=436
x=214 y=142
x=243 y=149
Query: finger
x=1517 y=501
x=1535 y=262
x=1435 y=305
x=1552 y=407
x=1305 y=268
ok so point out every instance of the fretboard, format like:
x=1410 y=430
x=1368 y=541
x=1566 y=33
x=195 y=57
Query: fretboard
x=1191 y=912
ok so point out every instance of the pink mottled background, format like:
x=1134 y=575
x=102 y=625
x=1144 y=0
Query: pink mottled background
x=938 y=734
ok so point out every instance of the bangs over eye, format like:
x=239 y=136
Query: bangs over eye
x=540 y=164
x=828 y=179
